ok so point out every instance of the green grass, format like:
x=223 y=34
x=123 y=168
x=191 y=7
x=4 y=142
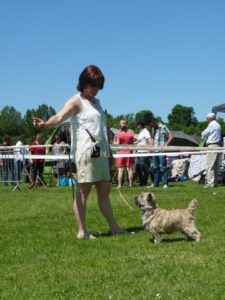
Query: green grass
x=40 y=257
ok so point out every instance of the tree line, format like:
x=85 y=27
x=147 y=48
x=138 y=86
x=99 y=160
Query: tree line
x=181 y=118
x=12 y=122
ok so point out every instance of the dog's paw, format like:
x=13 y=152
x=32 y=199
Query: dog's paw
x=157 y=241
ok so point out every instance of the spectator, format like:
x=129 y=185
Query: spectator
x=8 y=167
x=20 y=152
x=59 y=148
x=161 y=137
x=212 y=137
x=142 y=164
x=37 y=165
x=124 y=136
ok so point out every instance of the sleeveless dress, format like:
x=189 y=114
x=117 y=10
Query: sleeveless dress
x=125 y=137
x=91 y=117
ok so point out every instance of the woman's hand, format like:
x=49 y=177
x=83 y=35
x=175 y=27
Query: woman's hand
x=39 y=123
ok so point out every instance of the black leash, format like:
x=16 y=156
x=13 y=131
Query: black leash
x=71 y=176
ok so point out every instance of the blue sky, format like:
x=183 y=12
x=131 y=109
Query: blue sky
x=154 y=54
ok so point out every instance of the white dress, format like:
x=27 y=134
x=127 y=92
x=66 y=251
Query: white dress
x=92 y=117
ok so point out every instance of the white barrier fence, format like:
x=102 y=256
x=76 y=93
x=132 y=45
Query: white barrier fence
x=12 y=162
x=11 y=169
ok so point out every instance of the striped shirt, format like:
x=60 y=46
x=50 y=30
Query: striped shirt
x=160 y=135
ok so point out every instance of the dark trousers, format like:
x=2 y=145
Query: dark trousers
x=37 y=168
x=142 y=169
x=160 y=169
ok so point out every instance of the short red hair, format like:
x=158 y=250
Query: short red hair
x=92 y=76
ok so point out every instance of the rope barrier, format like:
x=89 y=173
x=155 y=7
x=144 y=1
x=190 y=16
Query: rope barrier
x=122 y=147
x=152 y=151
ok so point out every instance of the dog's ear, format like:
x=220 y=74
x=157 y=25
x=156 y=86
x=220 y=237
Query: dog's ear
x=151 y=200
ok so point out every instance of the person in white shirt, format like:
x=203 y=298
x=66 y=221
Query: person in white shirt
x=142 y=164
x=20 y=156
x=212 y=137
x=59 y=148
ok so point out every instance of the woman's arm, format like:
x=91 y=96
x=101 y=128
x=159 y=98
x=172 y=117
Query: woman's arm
x=136 y=139
x=71 y=107
x=116 y=139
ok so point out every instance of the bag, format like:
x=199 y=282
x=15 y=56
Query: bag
x=72 y=181
x=63 y=180
x=96 y=150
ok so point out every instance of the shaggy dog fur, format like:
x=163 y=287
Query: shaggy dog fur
x=158 y=221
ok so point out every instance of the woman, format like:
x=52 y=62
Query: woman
x=124 y=136
x=37 y=165
x=88 y=124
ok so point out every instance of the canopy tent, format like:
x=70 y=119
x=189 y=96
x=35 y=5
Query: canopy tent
x=64 y=131
x=182 y=139
x=218 y=108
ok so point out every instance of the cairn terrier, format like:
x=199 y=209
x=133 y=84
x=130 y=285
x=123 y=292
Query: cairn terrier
x=157 y=220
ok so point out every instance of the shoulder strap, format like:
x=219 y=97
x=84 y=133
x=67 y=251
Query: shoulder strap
x=91 y=136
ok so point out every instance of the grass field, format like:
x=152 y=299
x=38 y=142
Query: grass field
x=40 y=257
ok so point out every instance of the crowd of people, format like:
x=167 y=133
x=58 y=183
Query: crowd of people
x=15 y=167
x=143 y=170
x=143 y=166
x=92 y=155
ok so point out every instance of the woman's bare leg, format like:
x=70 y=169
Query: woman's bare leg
x=103 y=188
x=120 y=177
x=79 y=208
x=130 y=175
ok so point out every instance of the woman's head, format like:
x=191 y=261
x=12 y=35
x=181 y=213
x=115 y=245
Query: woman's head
x=91 y=76
x=123 y=124
x=58 y=138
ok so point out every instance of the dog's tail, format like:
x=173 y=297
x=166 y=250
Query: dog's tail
x=192 y=206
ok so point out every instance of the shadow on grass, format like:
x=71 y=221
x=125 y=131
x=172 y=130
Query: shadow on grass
x=129 y=230
x=174 y=240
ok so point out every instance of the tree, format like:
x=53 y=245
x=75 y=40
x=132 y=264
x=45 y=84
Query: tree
x=182 y=115
x=44 y=112
x=10 y=121
x=115 y=121
x=29 y=130
x=144 y=115
x=109 y=120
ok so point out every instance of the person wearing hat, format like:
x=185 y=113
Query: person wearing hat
x=212 y=137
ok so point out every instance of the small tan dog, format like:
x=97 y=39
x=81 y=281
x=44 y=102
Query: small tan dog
x=158 y=221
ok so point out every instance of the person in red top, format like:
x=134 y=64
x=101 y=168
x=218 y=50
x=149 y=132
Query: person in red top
x=37 y=165
x=124 y=136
